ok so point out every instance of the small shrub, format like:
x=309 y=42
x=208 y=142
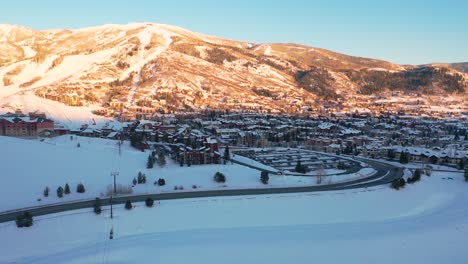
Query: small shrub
x=80 y=188
x=60 y=192
x=24 y=220
x=128 y=205
x=194 y=186
x=67 y=189
x=219 y=177
x=97 y=206
x=46 y=192
x=149 y=202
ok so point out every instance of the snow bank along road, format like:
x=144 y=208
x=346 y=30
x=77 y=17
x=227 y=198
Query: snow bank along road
x=385 y=174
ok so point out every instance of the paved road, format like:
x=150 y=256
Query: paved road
x=385 y=174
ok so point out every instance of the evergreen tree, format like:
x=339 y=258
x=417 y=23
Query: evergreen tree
x=97 y=206
x=161 y=159
x=24 y=220
x=46 y=192
x=149 y=202
x=391 y=154
x=80 y=188
x=161 y=182
x=60 y=192
x=128 y=205
x=149 y=163
x=219 y=177
x=466 y=175
x=461 y=164
x=226 y=155
x=404 y=157
x=299 y=167
x=141 y=179
x=67 y=188
x=264 y=178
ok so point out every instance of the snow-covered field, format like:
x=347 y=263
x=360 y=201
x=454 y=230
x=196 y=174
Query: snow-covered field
x=426 y=222
x=28 y=166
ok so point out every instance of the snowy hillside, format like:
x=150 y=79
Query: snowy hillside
x=31 y=165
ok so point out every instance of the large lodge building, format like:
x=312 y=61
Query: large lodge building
x=19 y=125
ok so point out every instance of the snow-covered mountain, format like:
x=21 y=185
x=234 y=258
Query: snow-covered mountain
x=151 y=67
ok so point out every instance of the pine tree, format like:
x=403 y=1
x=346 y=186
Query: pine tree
x=128 y=205
x=67 y=188
x=299 y=167
x=149 y=202
x=219 y=177
x=161 y=182
x=134 y=181
x=466 y=175
x=80 y=188
x=161 y=159
x=97 y=206
x=264 y=178
x=226 y=155
x=46 y=192
x=60 y=192
x=149 y=163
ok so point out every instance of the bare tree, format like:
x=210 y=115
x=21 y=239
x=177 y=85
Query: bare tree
x=320 y=174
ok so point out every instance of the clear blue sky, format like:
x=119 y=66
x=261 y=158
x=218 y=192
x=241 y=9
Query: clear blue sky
x=401 y=31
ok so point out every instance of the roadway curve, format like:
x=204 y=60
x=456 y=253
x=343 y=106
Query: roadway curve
x=385 y=174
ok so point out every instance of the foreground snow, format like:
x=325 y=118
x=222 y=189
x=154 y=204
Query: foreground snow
x=29 y=166
x=422 y=223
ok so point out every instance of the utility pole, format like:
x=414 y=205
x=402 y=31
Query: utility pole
x=114 y=174
x=112 y=212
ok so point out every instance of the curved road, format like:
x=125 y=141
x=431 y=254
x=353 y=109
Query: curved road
x=385 y=174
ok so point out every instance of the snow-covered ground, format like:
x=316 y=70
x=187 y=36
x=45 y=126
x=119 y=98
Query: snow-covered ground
x=28 y=166
x=426 y=222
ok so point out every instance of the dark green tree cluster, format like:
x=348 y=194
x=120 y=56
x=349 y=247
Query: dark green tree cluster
x=391 y=154
x=24 y=220
x=416 y=176
x=141 y=178
x=160 y=182
x=219 y=177
x=398 y=183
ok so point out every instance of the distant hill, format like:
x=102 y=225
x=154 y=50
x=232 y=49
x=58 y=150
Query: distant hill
x=155 y=65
